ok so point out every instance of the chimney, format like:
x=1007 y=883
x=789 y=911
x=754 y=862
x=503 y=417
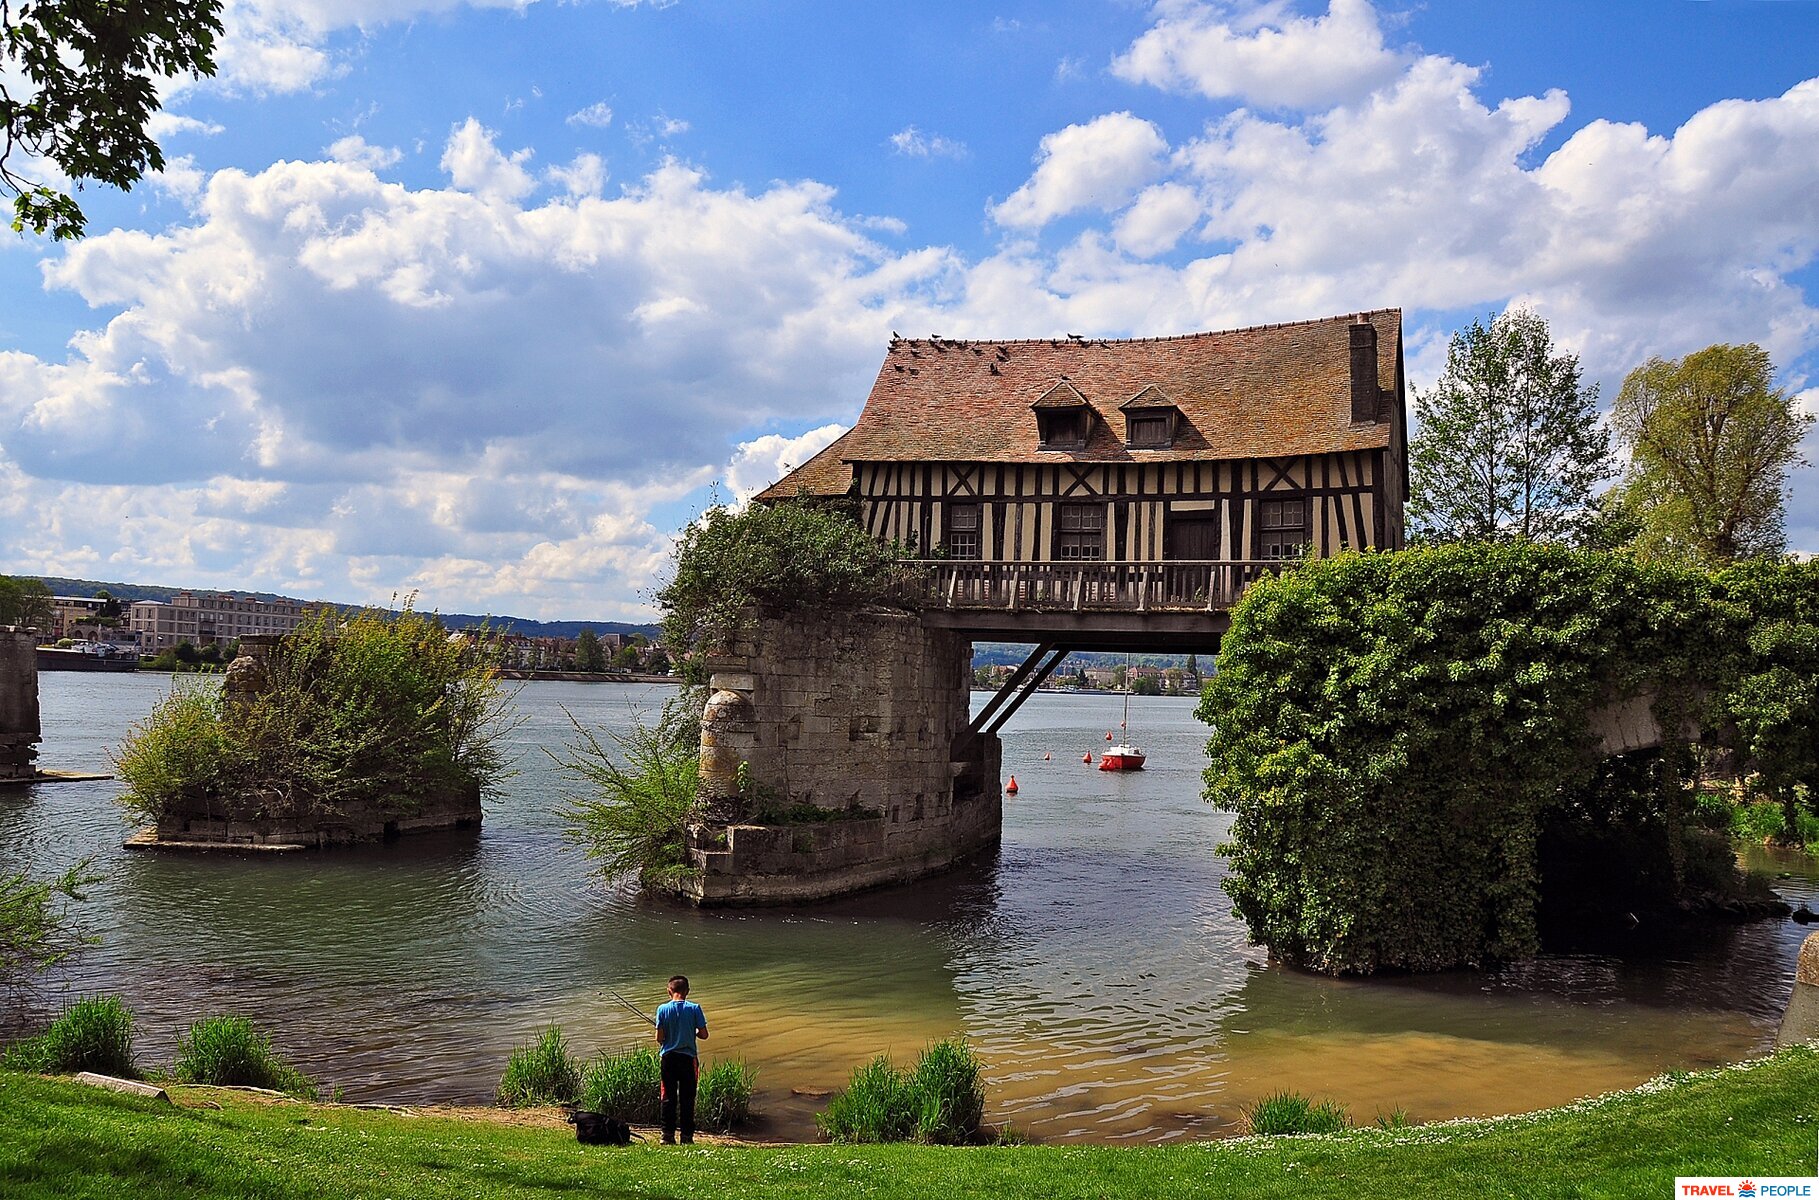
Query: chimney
x=1364 y=370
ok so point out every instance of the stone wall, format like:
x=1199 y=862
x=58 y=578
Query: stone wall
x=1800 y=1023
x=862 y=716
x=19 y=731
x=353 y=824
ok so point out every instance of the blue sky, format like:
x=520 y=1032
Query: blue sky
x=484 y=300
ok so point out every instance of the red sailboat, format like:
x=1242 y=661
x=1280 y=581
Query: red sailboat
x=1124 y=755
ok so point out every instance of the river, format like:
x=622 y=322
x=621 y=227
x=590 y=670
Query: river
x=1094 y=963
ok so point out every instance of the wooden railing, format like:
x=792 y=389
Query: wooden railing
x=1093 y=586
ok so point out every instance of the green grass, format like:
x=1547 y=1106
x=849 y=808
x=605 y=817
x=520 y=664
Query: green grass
x=58 y=1139
x=625 y=1086
x=541 y=1073
x=725 y=1100
x=93 y=1034
x=1291 y=1112
x=232 y=1052
x=939 y=1100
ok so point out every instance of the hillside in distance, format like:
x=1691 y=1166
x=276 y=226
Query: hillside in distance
x=129 y=592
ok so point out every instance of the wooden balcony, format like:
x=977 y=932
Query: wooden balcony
x=1094 y=586
x=1164 y=605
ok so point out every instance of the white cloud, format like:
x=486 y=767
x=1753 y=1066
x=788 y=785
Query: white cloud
x=1260 y=54
x=585 y=176
x=914 y=143
x=474 y=164
x=1156 y=220
x=1099 y=164
x=163 y=125
x=331 y=384
x=597 y=115
x=763 y=461
x=357 y=151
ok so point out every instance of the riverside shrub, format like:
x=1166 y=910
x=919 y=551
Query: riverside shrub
x=626 y=1086
x=230 y=1051
x=381 y=710
x=633 y=815
x=93 y=1034
x=940 y=1100
x=543 y=1072
x=1396 y=733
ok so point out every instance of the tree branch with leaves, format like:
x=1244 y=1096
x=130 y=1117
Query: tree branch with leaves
x=78 y=85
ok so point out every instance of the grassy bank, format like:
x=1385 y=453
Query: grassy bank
x=60 y=1139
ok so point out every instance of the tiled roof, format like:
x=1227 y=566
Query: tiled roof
x=1265 y=392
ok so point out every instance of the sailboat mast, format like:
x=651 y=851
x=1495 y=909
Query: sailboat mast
x=1125 y=722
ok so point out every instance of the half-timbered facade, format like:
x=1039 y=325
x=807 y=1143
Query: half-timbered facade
x=1248 y=446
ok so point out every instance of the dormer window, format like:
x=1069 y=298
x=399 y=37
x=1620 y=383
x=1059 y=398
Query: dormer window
x=1150 y=418
x=1063 y=418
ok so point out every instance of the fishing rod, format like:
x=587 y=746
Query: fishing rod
x=630 y=1007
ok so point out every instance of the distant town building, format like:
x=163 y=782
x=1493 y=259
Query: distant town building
x=67 y=612
x=210 y=617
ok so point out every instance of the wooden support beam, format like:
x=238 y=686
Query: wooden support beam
x=1004 y=693
x=1029 y=689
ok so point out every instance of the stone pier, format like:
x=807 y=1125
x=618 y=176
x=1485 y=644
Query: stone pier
x=835 y=757
x=1801 y=1021
x=19 y=731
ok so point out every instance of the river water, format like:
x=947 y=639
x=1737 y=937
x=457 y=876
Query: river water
x=1095 y=962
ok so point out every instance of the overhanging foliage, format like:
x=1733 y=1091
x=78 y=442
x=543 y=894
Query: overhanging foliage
x=1396 y=733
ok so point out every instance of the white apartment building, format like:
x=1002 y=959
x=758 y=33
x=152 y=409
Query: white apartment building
x=209 y=617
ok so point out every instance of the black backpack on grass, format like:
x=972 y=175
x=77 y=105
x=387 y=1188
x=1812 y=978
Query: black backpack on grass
x=592 y=1129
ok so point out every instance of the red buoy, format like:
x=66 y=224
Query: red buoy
x=1108 y=735
x=1087 y=757
x=1011 y=787
x=1046 y=757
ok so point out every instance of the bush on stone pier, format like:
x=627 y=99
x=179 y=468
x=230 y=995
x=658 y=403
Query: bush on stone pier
x=376 y=713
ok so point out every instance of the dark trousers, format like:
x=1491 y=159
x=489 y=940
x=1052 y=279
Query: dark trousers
x=679 y=1078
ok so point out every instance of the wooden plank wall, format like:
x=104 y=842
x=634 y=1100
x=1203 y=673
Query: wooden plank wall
x=907 y=501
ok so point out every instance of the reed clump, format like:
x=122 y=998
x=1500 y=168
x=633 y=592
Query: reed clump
x=1291 y=1112
x=941 y=1100
x=230 y=1051
x=93 y=1034
x=544 y=1072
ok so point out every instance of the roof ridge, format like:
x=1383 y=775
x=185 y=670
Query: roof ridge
x=1070 y=339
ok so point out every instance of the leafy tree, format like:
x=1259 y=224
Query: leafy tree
x=109 y=612
x=588 y=655
x=1710 y=446
x=78 y=84
x=627 y=658
x=25 y=602
x=1509 y=444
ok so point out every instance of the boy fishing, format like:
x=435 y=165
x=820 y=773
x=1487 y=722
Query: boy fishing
x=679 y=1024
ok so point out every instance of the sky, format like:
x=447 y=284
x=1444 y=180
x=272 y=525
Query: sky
x=486 y=300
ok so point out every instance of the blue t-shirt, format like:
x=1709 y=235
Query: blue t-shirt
x=677 y=1022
